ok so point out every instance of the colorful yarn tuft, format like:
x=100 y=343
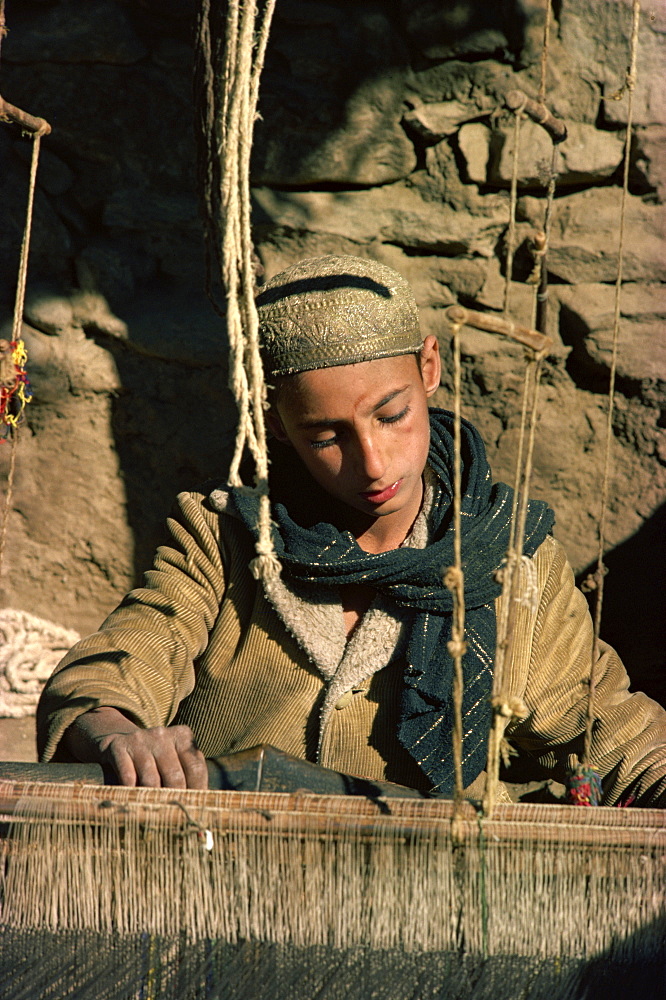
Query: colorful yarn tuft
x=583 y=786
x=15 y=392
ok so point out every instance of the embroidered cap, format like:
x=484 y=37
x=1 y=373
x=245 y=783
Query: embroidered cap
x=328 y=311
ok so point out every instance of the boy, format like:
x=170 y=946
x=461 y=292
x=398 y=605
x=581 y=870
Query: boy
x=343 y=659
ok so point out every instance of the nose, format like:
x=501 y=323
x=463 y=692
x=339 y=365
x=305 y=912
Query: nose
x=370 y=457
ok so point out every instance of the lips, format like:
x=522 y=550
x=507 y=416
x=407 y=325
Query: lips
x=381 y=496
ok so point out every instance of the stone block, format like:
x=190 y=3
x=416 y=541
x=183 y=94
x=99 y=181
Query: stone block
x=587 y=323
x=367 y=146
x=93 y=313
x=137 y=208
x=67 y=31
x=435 y=281
x=69 y=363
x=474 y=143
x=51 y=241
x=163 y=228
x=390 y=214
x=597 y=36
x=585 y=236
x=448 y=31
x=432 y=122
x=331 y=99
x=47 y=309
x=482 y=83
x=586 y=156
x=649 y=159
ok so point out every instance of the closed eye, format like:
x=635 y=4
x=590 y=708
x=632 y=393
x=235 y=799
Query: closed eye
x=393 y=419
x=323 y=444
x=396 y=417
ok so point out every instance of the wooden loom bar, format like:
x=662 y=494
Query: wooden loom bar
x=11 y=114
x=306 y=816
x=516 y=100
x=492 y=323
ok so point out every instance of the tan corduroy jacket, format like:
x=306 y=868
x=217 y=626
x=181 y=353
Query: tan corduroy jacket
x=200 y=644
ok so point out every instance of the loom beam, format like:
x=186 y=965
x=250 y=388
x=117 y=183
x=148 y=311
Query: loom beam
x=259 y=769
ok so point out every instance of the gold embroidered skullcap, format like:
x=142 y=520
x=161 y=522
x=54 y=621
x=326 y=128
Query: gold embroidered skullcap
x=329 y=311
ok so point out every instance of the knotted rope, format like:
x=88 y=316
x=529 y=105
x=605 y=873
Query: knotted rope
x=454 y=580
x=595 y=582
x=518 y=576
x=17 y=395
x=229 y=138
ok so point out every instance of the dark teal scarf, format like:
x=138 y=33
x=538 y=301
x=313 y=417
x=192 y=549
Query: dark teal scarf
x=413 y=578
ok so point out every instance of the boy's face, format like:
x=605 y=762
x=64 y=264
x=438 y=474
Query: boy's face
x=362 y=430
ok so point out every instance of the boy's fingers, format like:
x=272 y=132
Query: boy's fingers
x=194 y=766
x=123 y=765
x=160 y=757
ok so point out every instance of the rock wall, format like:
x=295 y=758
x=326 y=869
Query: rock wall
x=383 y=134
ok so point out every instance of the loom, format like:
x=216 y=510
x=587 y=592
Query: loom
x=248 y=894
x=152 y=893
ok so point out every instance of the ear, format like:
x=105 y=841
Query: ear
x=431 y=365
x=274 y=425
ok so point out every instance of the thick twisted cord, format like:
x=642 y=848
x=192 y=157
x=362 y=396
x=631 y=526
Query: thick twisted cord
x=246 y=38
x=19 y=300
x=598 y=578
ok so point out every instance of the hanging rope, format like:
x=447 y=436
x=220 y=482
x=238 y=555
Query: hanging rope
x=454 y=580
x=511 y=235
x=517 y=574
x=517 y=577
x=8 y=499
x=545 y=50
x=228 y=135
x=14 y=386
x=595 y=582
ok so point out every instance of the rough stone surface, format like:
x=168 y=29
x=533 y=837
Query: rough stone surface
x=392 y=213
x=649 y=160
x=586 y=156
x=446 y=31
x=433 y=122
x=599 y=34
x=474 y=143
x=70 y=32
x=384 y=133
x=642 y=346
x=584 y=252
x=332 y=92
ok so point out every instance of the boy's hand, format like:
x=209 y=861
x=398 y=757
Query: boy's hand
x=165 y=756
